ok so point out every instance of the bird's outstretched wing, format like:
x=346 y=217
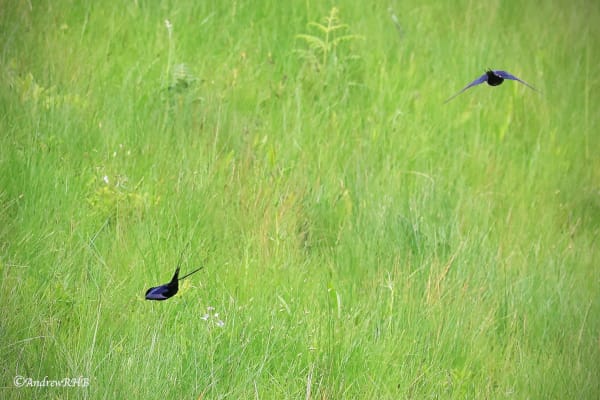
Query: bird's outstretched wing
x=477 y=81
x=506 y=75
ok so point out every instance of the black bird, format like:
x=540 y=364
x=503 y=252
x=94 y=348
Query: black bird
x=493 y=78
x=167 y=290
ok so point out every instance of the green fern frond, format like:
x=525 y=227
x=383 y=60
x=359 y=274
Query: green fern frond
x=313 y=41
x=320 y=48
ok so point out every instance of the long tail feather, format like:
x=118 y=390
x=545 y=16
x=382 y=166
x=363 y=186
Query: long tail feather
x=193 y=272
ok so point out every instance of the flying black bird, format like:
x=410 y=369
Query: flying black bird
x=167 y=290
x=493 y=78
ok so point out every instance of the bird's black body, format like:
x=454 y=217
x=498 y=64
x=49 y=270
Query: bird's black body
x=168 y=290
x=492 y=78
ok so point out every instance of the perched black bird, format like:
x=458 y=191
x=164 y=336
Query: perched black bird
x=167 y=290
x=493 y=78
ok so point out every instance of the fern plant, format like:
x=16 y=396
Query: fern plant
x=322 y=48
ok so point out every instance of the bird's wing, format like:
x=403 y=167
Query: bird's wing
x=156 y=293
x=477 y=81
x=176 y=275
x=506 y=75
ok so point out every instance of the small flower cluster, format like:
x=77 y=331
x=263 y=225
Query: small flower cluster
x=211 y=317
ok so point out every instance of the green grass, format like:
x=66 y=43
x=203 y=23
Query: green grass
x=361 y=239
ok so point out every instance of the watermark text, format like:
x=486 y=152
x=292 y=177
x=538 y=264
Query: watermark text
x=24 y=381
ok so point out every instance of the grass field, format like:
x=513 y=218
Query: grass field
x=361 y=239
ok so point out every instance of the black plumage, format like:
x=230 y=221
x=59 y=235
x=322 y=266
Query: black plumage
x=163 y=292
x=492 y=78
